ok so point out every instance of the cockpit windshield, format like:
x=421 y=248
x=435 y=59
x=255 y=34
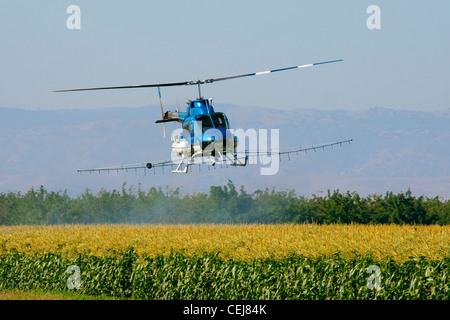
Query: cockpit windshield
x=219 y=120
x=204 y=122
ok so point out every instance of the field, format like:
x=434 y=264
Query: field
x=228 y=261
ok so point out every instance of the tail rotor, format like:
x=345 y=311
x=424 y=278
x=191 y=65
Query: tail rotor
x=162 y=112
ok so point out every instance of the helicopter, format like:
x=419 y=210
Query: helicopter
x=205 y=134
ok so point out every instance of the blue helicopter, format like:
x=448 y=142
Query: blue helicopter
x=205 y=135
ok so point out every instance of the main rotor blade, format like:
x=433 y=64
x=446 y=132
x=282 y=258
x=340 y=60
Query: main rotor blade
x=197 y=82
x=171 y=84
x=270 y=71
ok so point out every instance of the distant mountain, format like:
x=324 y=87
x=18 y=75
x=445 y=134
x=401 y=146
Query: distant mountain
x=393 y=150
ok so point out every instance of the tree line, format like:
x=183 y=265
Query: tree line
x=223 y=204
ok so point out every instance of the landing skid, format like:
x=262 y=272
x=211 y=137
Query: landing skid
x=235 y=161
x=190 y=161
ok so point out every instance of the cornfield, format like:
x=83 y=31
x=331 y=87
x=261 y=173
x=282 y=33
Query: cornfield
x=231 y=261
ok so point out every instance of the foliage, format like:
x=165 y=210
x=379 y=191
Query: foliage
x=229 y=261
x=223 y=204
x=176 y=276
x=237 y=241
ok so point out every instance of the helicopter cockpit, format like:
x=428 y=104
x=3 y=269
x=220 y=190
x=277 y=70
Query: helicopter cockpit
x=220 y=120
x=204 y=122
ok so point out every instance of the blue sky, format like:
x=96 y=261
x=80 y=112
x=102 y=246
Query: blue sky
x=404 y=65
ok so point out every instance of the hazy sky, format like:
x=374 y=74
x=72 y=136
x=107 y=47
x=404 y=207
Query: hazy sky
x=403 y=65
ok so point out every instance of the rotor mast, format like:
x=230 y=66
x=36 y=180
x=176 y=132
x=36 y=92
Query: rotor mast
x=199 y=91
